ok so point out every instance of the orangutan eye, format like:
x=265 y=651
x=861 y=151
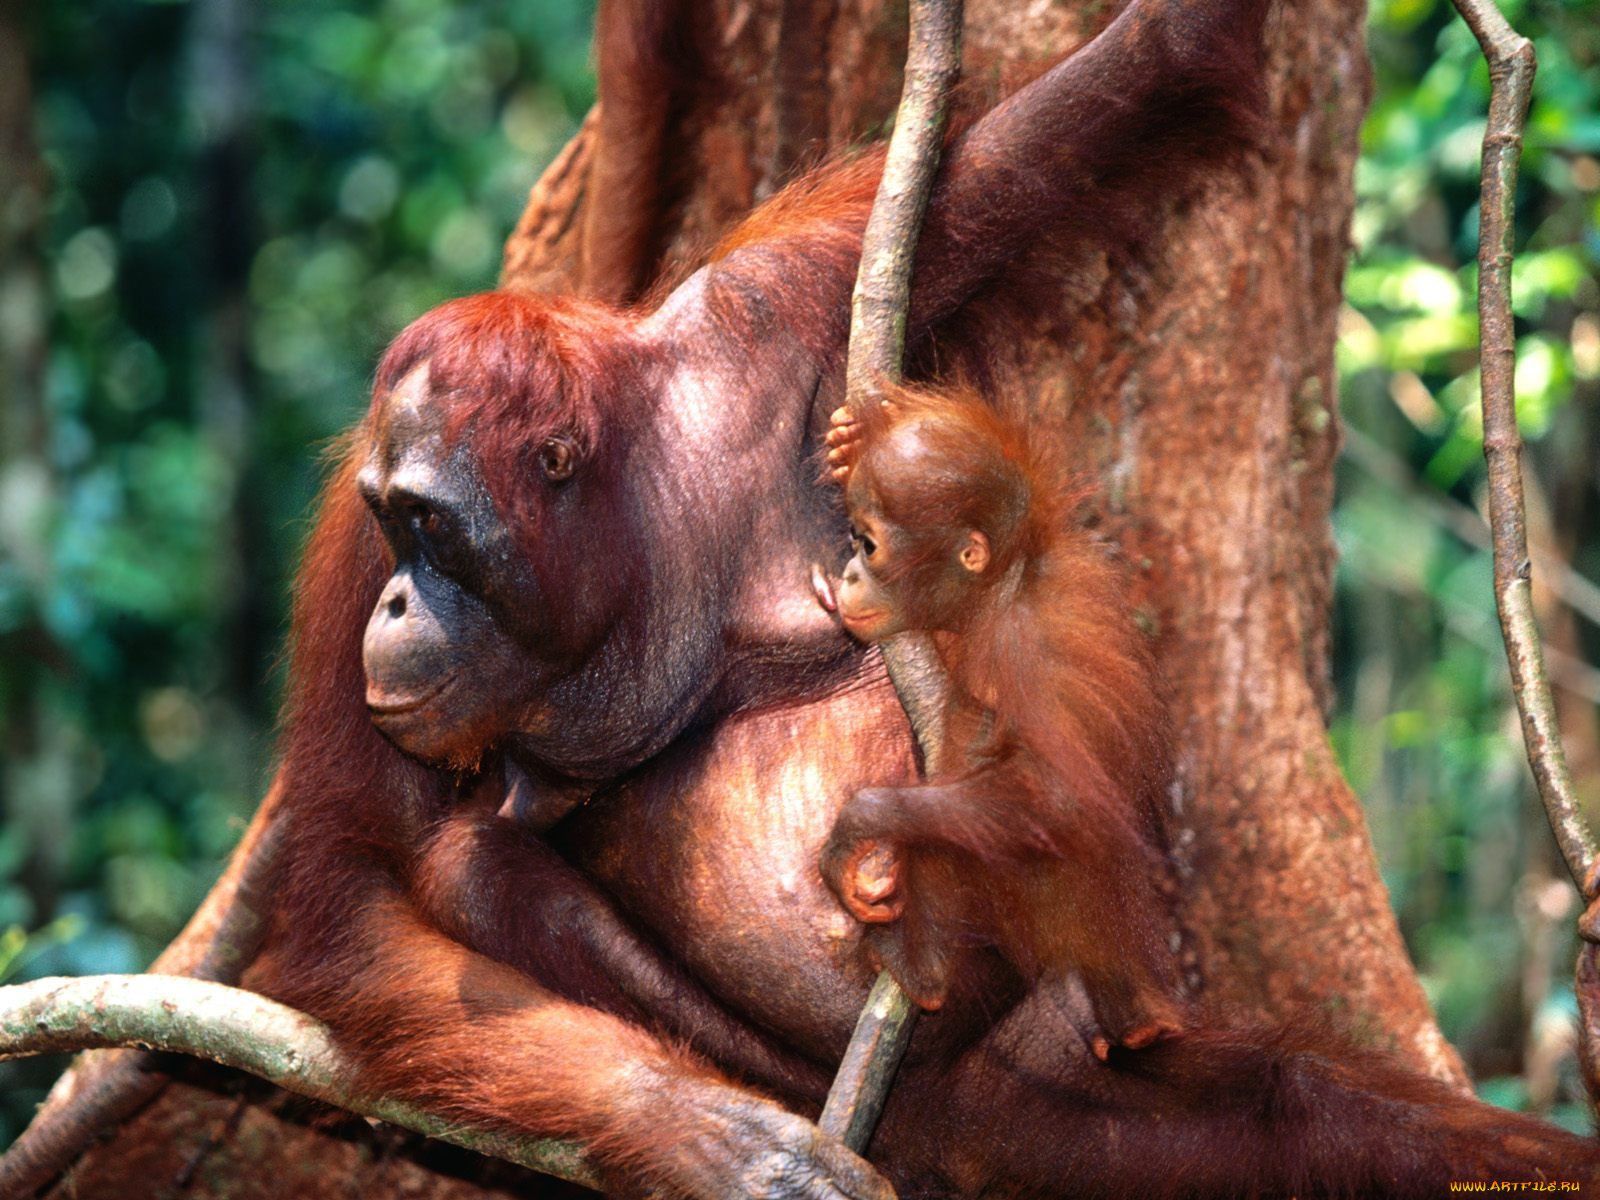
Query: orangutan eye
x=417 y=513
x=557 y=459
x=433 y=531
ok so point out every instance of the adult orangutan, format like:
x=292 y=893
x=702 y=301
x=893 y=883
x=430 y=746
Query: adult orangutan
x=554 y=813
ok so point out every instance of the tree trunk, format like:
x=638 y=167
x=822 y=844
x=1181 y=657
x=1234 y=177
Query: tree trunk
x=1228 y=456
x=1199 y=387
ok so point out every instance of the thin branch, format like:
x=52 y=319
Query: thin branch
x=883 y=283
x=237 y=1029
x=877 y=350
x=1511 y=68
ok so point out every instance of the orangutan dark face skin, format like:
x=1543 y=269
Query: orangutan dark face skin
x=528 y=582
x=443 y=677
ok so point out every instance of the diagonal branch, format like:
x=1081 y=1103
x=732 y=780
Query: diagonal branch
x=242 y=1030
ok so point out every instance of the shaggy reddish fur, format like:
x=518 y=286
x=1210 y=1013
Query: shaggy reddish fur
x=420 y=932
x=1040 y=834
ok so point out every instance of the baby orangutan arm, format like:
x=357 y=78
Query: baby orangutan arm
x=938 y=870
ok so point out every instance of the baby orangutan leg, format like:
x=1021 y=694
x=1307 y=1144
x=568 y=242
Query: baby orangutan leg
x=1129 y=974
x=937 y=869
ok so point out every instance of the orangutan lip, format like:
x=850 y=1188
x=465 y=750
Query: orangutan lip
x=380 y=707
x=823 y=587
x=861 y=624
x=857 y=620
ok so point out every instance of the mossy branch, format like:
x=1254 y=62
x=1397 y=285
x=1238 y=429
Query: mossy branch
x=238 y=1029
x=1511 y=68
x=888 y=248
x=877 y=352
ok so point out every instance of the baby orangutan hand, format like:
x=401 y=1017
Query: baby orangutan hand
x=866 y=878
x=843 y=439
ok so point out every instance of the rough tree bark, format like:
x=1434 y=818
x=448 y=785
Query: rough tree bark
x=1200 y=390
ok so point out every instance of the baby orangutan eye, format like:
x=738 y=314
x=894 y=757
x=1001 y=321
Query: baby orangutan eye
x=558 y=458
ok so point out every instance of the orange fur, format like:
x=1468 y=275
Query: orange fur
x=1040 y=834
x=438 y=943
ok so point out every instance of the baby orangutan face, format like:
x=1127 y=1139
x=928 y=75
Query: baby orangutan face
x=899 y=578
x=867 y=604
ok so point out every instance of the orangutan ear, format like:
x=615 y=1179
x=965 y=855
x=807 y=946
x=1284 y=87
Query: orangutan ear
x=975 y=554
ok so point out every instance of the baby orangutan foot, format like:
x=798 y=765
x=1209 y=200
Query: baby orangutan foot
x=916 y=961
x=1136 y=1038
x=868 y=876
x=1131 y=1010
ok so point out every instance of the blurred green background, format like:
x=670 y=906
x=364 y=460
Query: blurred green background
x=214 y=213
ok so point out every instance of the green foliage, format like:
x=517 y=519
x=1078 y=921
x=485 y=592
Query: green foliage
x=17 y=945
x=245 y=202
x=1425 y=725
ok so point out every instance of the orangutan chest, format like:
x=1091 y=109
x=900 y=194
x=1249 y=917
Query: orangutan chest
x=714 y=851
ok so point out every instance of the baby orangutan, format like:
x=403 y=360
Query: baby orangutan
x=1039 y=835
